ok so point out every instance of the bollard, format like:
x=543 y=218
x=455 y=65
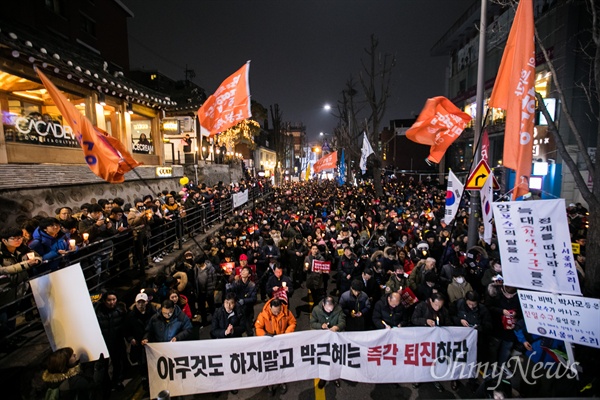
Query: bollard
x=164 y=395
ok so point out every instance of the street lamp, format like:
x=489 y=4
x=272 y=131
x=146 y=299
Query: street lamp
x=327 y=107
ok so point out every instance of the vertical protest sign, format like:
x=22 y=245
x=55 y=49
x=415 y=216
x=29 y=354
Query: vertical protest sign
x=535 y=246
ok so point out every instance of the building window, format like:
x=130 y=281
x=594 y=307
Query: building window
x=30 y=115
x=88 y=25
x=56 y=6
x=152 y=77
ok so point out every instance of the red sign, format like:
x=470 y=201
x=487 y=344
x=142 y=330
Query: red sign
x=321 y=266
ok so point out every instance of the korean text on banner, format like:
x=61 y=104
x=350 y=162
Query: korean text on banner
x=326 y=162
x=535 y=246
x=514 y=91
x=321 y=266
x=453 y=195
x=569 y=318
x=105 y=155
x=487 y=197
x=229 y=104
x=439 y=125
x=66 y=310
x=416 y=354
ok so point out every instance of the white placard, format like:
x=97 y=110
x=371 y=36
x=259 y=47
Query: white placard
x=569 y=318
x=416 y=354
x=535 y=246
x=240 y=198
x=67 y=313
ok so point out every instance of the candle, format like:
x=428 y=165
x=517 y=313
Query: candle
x=31 y=255
x=437 y=321
x=72 y=244
x=284 y=284
x=86 y=236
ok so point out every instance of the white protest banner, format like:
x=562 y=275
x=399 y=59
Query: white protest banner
x=240 y=198
x=535 y=246
x=415 y=354
x=321 y=266
x=67 y=313
x=569 y=318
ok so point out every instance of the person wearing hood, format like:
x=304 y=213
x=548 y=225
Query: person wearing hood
x=49 y=241
x=168 y=325
x=72 y=380
x=459 y=286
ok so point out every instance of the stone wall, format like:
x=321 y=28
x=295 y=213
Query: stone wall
x=30 y=190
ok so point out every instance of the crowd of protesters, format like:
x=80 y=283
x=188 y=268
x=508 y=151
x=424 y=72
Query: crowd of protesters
x=394 y=263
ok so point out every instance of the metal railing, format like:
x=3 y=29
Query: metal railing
x=117 y=260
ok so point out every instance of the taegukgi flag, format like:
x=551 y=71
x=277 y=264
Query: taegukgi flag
x=453 y=196
x=105 y=155
x=487 y=213
x=365 y=152
x=229 y=104
x=439 y=125
x=514 y=91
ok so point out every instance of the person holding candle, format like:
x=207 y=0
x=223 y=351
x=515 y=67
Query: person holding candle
x=389 y=313
x=49 y=241
x=431 y=312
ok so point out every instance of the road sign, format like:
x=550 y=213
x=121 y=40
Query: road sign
x=478 y=177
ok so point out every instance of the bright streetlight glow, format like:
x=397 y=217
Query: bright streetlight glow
x=321 y=133
x=327 y=107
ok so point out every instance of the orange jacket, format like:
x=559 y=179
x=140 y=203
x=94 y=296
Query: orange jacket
x=268 y=324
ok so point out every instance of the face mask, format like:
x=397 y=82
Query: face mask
x=460 y=280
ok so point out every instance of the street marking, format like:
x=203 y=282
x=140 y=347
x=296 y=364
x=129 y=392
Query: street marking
x=319 y=393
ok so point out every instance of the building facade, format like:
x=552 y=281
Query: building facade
x=564 y=29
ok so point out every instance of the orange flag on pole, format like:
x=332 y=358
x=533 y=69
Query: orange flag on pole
x=514 y=91
x=105 y=155
x=439 y=125
x=229 y=105
x=327 y=162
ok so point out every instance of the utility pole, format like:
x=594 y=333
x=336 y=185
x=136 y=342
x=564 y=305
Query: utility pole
x=475 y=199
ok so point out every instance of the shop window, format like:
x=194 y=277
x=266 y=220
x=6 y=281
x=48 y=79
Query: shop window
x=141 y=134
x=32 y=117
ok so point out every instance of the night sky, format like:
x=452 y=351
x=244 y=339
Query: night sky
x=302 y=51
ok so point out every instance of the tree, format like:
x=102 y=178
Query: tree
x=346 y=133
x=592 y=197
x=374 y=80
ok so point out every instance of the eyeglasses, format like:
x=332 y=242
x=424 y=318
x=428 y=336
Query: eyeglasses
x=15 y=238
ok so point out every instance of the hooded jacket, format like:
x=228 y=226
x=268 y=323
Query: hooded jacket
x=269 y=324
x=335 y=318
x=160 y=329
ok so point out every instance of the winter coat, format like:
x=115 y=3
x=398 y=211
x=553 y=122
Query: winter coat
x=221 y=320
x=395 y=283
x=479 y=317
x=206 y=278
x=496 y=305
x=160 y=329
x=394 y=317
x=77 y=383
x=13 y=273
x=48 y=246
x=274 y=281
x=424 y=311
x=457 y=291
x=136 y=322
x=112 y=324
x=245 y=294
x=335 y=318
x=350 y=303
x=269 y=324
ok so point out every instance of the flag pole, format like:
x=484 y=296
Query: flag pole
x=475 y=201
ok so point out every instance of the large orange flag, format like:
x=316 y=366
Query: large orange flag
x=514 y=91
x=439 y=125
x=105 y=155
x=229 y=105
x=326 y=162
